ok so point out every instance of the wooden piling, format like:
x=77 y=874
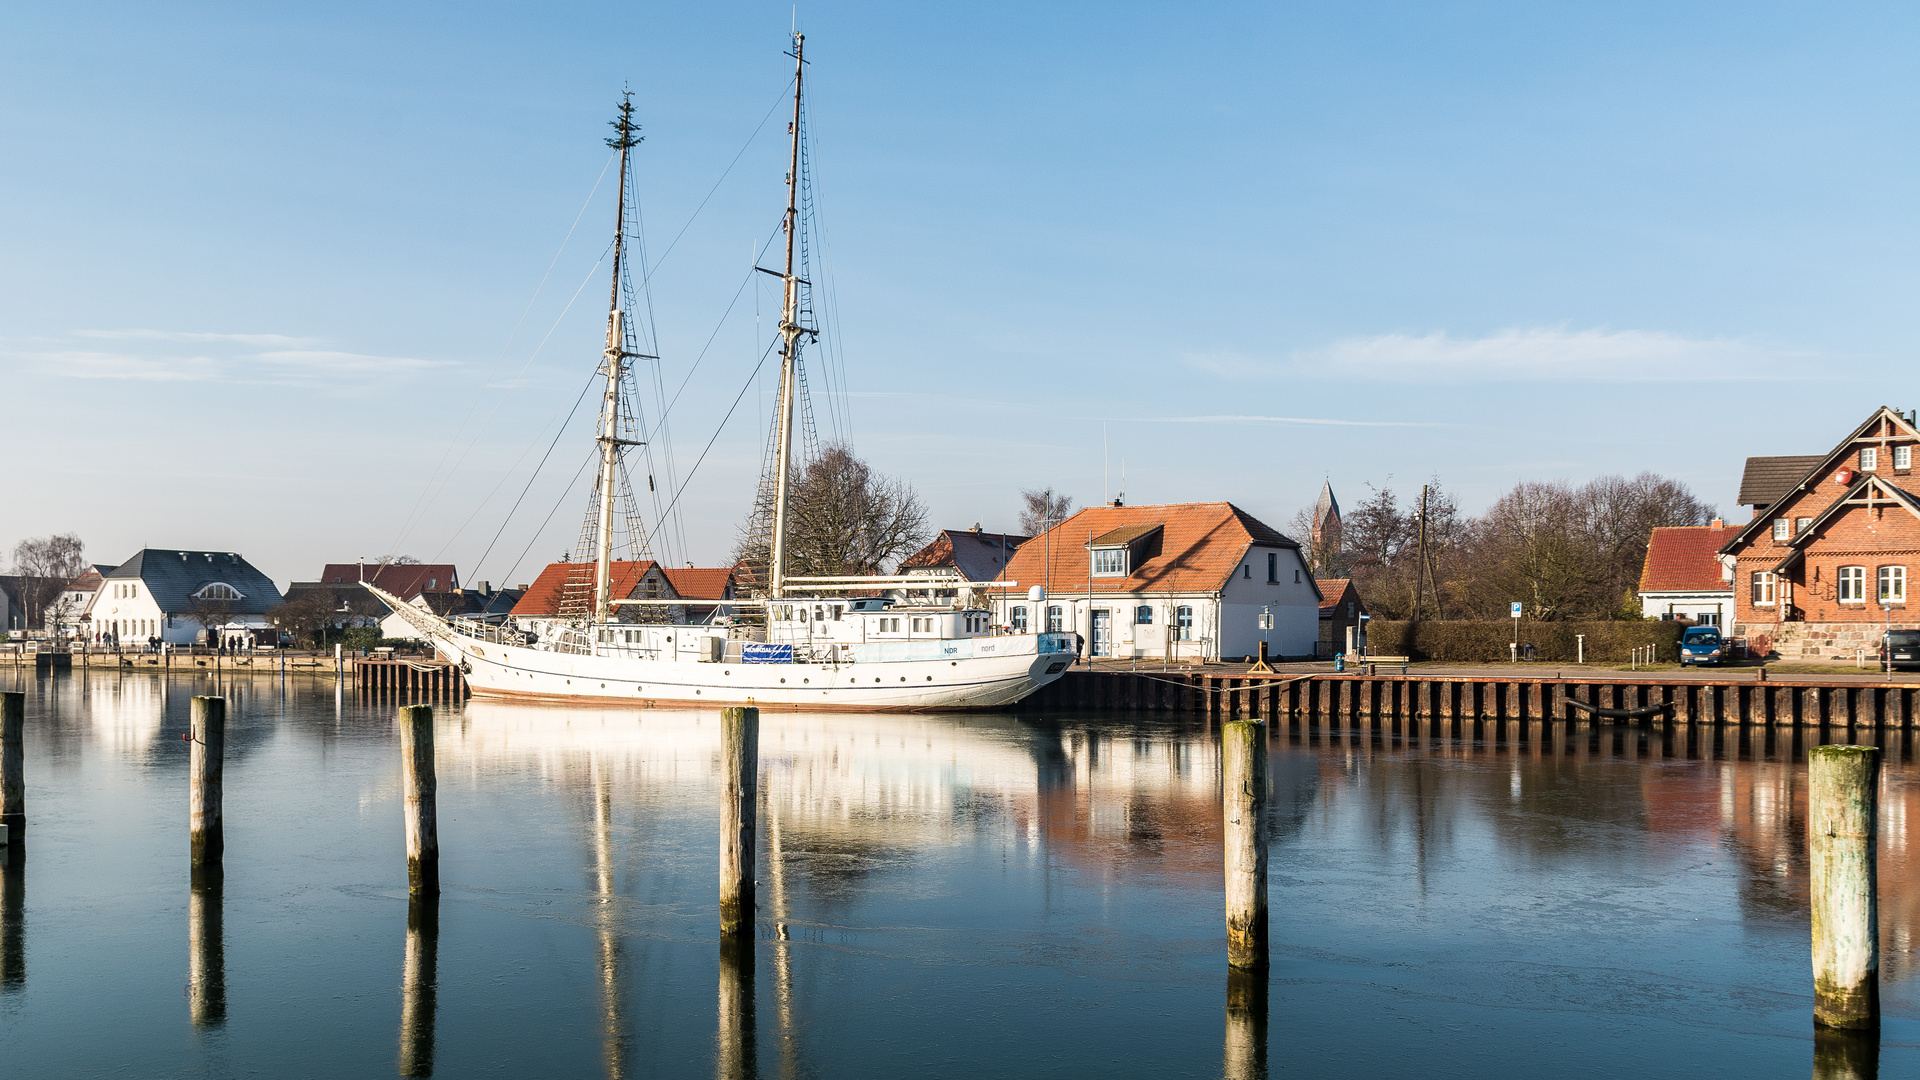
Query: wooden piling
x=1243 y=765
x=420 y=788
x=13 y=776
x=1842 y=801
x=740 y=757
x=206 y=831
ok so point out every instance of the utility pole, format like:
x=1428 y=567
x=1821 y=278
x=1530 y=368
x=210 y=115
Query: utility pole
x=1420 y=572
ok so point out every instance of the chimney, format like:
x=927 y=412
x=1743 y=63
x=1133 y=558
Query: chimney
x=1718 y=524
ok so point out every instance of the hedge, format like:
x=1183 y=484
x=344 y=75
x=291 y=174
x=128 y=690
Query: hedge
x=1475 y=642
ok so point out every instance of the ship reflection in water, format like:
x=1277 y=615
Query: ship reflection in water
x=977 y=895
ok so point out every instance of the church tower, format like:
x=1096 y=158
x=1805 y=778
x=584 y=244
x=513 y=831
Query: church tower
x=1326 y=532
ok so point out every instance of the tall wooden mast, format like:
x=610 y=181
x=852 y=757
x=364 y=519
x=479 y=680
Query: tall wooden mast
x=790 y=330
x=614 y=359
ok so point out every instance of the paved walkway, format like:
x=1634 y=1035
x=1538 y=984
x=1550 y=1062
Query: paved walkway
x=1803 y=671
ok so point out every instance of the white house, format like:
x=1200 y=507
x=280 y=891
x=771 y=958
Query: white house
x=181 y=597
x=1684 y=578
x=1183 y=580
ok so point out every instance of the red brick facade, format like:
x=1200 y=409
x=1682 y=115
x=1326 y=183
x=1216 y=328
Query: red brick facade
x=1850 y=528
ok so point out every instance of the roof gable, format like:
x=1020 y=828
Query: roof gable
x=404 y=580
x=172 y=577
x=974 y=555
x=700 y=583
x=543 y=596
x=1897 y=428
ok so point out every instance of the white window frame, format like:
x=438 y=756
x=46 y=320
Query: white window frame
x=1903 y=457
x=1183 y=623
x=1056 y=619
x=1762 y=582
x=1801 y=525
x=1017 y=618
x=1891 y=584
x=1110 y=562
x=1869 y=458
x=1850 y=585
x=1782 y=529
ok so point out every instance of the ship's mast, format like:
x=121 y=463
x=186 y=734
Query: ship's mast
x=614 y=358
x=790 y=330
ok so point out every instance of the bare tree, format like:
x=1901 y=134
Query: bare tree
x=211 y=612
x=304 y=615
x=46 y=565
x=842 y=518
x=1041 y=509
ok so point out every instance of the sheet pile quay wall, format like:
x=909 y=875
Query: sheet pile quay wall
x=1369 y=698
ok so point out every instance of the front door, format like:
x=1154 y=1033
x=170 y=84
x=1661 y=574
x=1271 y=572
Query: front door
x=1102 y=632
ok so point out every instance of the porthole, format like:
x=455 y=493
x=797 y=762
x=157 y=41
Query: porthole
x=903 y=678
x=806 y=680
x=783 y=680
x=929 y=678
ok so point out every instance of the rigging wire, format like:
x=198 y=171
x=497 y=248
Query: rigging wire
x=723 y=424
x=564 y=492
x=530 y=479
x=408 y=523
x=716 y=331
x=777 y=102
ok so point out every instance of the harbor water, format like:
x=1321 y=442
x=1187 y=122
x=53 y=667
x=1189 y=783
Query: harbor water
x=1023 y=895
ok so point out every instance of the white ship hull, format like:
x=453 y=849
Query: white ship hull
x=982 y=673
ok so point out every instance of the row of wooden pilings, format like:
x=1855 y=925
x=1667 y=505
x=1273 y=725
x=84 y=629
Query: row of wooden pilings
x=436 y=680
x=1371 y=697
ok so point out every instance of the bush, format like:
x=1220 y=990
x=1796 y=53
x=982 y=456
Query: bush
x=1479 y=642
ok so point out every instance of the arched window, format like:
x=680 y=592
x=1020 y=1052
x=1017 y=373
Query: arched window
x=1183 y=622
x=1143 y=615
x=219 y=590
x=1851 y=586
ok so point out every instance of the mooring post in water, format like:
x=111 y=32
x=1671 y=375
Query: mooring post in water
x=13 y=776
x=206 y=947
x=1243 y=765
x=207 y=743
x=418 y=786
x=740 y=757
x=1842 y=803
x=419 y=983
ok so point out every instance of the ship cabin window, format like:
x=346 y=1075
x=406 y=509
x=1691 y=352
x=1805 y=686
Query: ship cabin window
x=819 y=613
x=1019 y=619
x=836 y=612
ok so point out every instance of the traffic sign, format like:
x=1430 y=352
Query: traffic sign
x=1516 y=609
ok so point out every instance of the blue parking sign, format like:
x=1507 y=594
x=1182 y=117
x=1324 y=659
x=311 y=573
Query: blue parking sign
x=1516 y=609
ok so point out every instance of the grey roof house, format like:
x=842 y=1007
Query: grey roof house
x=181 y=596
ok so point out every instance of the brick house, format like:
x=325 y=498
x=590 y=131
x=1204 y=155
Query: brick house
x=1341 y=609
x=1683 y=577
x=1823 y=567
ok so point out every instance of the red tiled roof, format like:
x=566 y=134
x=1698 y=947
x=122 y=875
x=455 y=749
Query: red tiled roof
x=1202 y=545
x=1681 y=558
x=938 y=553
x=1333 y=590
x=542 y=598
x=405 y=581
x=700 y=583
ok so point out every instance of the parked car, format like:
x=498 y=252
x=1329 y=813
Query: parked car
x=1701 y=645
x=1901 y=649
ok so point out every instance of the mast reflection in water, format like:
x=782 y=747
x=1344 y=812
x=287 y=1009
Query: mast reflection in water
x=975 y=895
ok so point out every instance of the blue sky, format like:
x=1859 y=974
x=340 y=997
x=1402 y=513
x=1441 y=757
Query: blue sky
x=263 y=267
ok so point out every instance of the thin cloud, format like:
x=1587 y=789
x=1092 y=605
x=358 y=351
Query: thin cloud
x=326 y=364
x=1246 y=419
x=1519 y=354
x=256 y=340
x=101 y=365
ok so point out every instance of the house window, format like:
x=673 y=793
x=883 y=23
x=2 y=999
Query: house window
x=1019 y=619
x=1296 y=575
x=1056 y=619
x=1350 y=606
x=1143 y=615
x=1801 y=525
x=1852 y=585
x=1246 y=571
x=1708 y=618
x=1903 y=457
x=1869 y=458
x=1762 y=589
x=1183 y=623
x=1273 y=568
x=1893 y=584
x=1782 y=529
x=1109 y=562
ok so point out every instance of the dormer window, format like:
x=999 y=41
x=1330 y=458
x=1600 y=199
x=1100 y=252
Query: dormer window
x=217 y=591
x=1110 y=562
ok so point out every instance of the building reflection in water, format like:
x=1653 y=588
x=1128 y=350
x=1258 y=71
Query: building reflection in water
x=206 y=949
x=419 y=983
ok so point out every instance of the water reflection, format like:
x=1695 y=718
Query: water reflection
x=206 y=948
x=13 y=920
x=419 y=984
x=1845 y=1055
x=737 y=1057
x=1245 y=1044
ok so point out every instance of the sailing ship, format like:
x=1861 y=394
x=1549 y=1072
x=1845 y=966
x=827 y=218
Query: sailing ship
x=804 y=642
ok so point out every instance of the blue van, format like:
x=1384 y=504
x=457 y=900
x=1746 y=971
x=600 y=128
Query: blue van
x=1701 y=645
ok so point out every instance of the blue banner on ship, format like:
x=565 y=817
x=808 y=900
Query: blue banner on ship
x=756 y=653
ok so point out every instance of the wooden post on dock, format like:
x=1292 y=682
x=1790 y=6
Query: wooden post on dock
x=740 y=758
x=13 y=775
x=1842 y=800
x=206 y=831
x=419 y=787
x=1243 y=770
